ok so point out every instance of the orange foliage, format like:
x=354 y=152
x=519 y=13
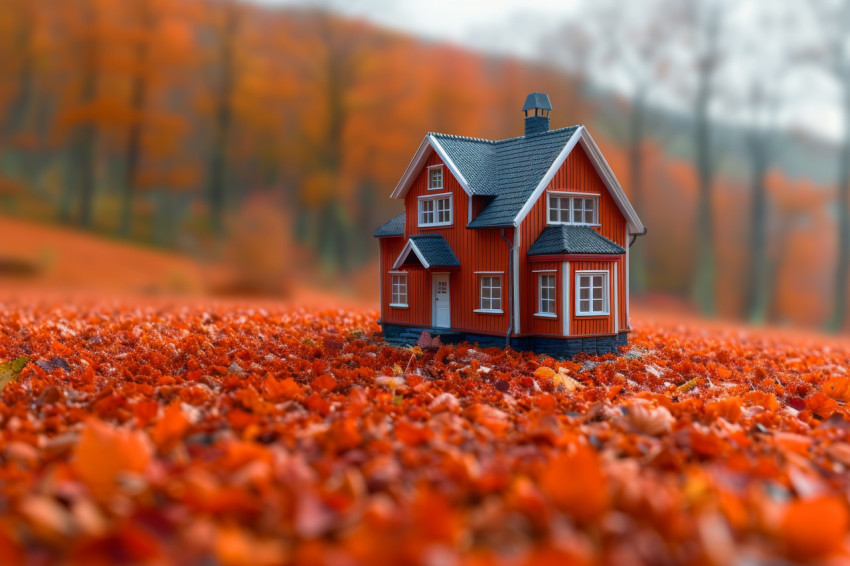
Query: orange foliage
x=300 y=437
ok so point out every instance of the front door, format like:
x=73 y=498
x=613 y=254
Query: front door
x=442 y=300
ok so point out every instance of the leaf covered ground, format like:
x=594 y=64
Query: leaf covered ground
x=246 y=435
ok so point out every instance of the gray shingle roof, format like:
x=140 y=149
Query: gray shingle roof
x=566 y=239
x=394 y=227
x=436 y=250
x=508 y=170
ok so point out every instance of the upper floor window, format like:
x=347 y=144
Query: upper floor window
x=581 y=209
x=435 y=178
x=591 y=293
x=435 y=210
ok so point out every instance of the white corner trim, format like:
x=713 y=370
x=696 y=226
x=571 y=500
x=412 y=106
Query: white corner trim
x=547 y=178
x=451 y=164
x=410 y=246
x=565 y=277
x=626 y=270
x=413 y=168
x=616 y=287
x=515 y=281
x=607 y=174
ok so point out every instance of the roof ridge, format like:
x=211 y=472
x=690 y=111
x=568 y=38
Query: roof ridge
x=538 y=134
x=457 y=137
x=493 y=142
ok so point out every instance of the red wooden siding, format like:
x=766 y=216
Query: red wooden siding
x=577 y=174
x=477 y=250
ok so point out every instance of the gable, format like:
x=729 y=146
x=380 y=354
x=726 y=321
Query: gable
x=583 y=146
x=513 y=172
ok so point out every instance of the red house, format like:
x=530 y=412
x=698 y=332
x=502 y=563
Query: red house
x=521 y=242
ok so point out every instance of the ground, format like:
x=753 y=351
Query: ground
x=146 y=432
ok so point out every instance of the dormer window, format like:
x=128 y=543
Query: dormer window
x=572 y=208
x=435 y=178
x=435 y=210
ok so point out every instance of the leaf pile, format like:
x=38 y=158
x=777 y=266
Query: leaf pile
x=238 y=435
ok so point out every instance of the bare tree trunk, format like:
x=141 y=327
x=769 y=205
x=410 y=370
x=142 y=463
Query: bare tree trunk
x=838 y=319
x=758 y=270
x=223 y=121
x=334 y=237
x=133 y=155
x=637 y=260
x=84 y=138
x=705 y=271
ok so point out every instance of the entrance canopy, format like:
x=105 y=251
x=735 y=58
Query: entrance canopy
x=429 y=250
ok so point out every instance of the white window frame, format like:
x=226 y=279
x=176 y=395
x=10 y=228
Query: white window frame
x=606 y=293
x=442 y=177
x=435 y=199
x=571 y=199
x=490 y=276
x=401 y=285
x=552 y=295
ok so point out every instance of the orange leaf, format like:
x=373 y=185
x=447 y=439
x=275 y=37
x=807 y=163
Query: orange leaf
x=324 y=383
x=282 y=390
x=544 y=373
x=821 y=405
x=104 y=452
x=412 y=434
x=814 y=528
x=576 y=485
x=170 y=428
x=838 y=388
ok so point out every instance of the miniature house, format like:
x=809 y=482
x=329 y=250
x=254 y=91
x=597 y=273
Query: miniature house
x=521 y=242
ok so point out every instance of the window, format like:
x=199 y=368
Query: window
x=491 y=293
x=546 y=295
x=398 y=297
x=436 y=210
x=573 y=209
x=435 y=178
x=591 y=293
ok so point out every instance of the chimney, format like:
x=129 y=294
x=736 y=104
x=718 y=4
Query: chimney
x=536 y=109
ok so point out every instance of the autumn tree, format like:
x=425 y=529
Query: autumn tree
x=227 y=21
x=832 y=22
x=631 y=44
x=84 y=51
x=757 y=83
x=701 y=37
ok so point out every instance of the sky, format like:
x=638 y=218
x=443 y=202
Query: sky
x=510 y=27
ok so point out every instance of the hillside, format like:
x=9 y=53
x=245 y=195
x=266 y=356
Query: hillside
x=256 y=434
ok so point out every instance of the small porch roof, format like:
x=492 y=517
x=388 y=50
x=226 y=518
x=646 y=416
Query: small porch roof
x=573 y=239
x=428 y=250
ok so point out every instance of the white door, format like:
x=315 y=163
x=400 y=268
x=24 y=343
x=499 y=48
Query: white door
x=442 y=300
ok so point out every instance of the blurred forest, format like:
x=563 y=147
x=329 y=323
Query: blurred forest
x=274 y=136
